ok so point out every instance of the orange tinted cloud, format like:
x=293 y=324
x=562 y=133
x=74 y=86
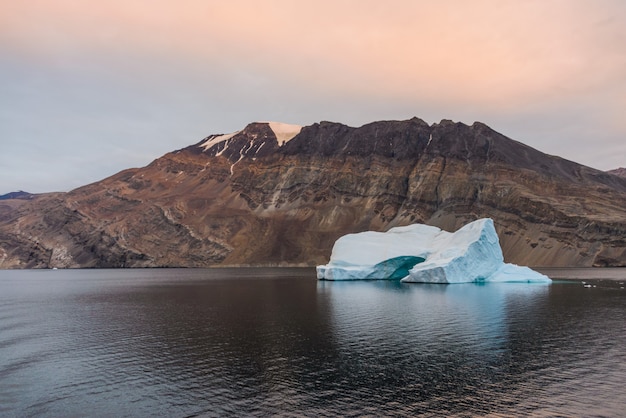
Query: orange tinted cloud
x=477 y=52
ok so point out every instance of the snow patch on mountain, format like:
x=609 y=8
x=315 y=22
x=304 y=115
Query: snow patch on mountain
x=216 y=139
x=284 y=132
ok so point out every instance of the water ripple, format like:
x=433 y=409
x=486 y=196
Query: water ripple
x=286 y=345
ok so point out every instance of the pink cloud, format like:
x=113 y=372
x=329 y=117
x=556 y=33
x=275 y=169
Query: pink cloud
x=478 y=51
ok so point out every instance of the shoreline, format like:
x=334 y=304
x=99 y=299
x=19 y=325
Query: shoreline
x=584 y=273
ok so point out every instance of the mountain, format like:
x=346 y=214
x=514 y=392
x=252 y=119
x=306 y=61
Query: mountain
x=277 y=194
x=16 y=195
x=619 y=172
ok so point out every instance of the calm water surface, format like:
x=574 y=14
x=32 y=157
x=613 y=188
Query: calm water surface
x=259 y=342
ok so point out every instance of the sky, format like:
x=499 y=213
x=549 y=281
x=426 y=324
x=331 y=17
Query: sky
x=89 y=88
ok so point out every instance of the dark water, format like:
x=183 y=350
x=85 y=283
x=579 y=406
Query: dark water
x=267 y=342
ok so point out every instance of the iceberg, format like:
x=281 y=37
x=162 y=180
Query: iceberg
x=378 y=255
x=425 y=254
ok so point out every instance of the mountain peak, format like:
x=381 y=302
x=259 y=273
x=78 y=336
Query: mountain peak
x=17 y=195
x=257 y=139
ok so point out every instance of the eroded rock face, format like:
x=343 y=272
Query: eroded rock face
x=270 y=195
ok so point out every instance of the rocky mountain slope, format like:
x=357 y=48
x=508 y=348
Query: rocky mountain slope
x=275 y=194
x=16 y=195
x=619 y=172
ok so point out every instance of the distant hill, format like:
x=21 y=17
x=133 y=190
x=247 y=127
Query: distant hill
x=277 y=194
x=16 y=195
x=619 y=172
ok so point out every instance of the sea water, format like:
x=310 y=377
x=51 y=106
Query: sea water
x=277 y=342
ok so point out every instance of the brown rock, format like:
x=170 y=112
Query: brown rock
x=250 y=201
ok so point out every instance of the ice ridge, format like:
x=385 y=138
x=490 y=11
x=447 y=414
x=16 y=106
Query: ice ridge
x=425 y=254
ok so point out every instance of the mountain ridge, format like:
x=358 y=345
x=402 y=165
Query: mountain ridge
x=246 y=199
x=621 y=172
x=20 y=194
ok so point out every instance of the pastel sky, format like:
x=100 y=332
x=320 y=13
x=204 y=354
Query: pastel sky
x=88 y=88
